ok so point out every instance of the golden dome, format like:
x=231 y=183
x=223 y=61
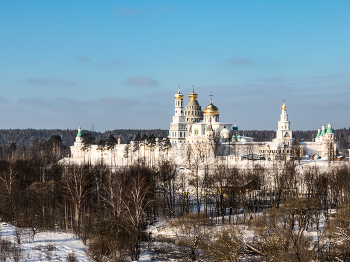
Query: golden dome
x=211 y=109
x=193 y=96
x=179 y=96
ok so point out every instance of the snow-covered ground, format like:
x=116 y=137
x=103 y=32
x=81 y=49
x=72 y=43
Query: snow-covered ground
x=47 y=246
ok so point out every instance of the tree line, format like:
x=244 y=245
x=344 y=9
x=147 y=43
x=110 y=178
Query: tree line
x=25 y=137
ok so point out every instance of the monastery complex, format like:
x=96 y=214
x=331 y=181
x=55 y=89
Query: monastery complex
x=191 y=126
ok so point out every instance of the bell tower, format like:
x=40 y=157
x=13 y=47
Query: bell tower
x=283 y=133
x=178 y=128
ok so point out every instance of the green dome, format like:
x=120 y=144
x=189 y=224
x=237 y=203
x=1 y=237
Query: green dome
x=329 y=129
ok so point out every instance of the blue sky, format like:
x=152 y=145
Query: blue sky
x=117 y=64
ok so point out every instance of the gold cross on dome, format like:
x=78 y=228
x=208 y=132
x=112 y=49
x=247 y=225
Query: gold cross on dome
x=211 y=97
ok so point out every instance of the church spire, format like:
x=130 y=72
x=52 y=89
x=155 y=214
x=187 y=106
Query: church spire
x=323 y=132
x=79 y=132
x=284 y=106
x=318 y=132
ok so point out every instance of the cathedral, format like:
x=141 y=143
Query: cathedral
x=192 y=124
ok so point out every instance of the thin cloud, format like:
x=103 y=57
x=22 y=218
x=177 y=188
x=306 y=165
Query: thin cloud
x=83 y=59
x=328 y=77
x=63 y=82
x=117 y=102
x=237 y=62
x=34 y=101
x=55 y=81
x=114 y=64
x=140 y=81
x=69 y=101
x=273 y=80
x=104 y=102
x=38 y=81
x=127 y=11
x=8 y=108
x=3 y=100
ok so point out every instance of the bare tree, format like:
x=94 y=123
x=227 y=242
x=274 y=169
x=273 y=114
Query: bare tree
x=195 y=156
x=297 y=151
x=135 y=204
x=227 y=245
x=191 y=232
x=76 y=182
x=8 y=180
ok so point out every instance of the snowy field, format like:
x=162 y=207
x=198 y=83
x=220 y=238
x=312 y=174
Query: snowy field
x=52 y=246
x=47 y=246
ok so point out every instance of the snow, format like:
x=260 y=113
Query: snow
x=60 y=244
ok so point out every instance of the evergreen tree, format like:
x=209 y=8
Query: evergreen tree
x=111 y=141
x=88 y=140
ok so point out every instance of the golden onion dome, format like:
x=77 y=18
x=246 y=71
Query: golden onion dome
x=179 y=96
x=193 y=96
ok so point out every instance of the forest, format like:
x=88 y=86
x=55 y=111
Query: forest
x=26 y=137
x=208 y=212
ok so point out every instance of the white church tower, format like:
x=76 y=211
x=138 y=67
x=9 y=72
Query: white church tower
x=75 y=150
x=178 y=128
x=283 y=133
x=78 y=139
